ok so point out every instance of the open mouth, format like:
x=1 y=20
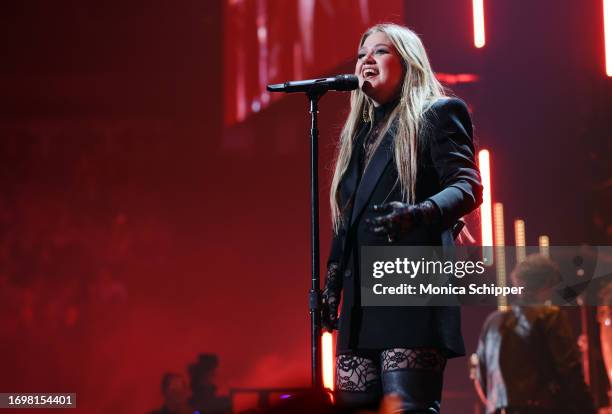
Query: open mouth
x=369 y=73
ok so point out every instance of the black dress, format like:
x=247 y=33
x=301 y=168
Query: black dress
x=448 y=176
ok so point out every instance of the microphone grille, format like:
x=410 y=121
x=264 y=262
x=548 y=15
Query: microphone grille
x=347 y=82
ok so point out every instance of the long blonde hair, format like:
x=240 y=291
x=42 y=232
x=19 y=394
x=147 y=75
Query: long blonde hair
x=419 y=90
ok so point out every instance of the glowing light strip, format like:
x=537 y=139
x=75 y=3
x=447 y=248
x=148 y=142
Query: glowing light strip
x=607 y=12
x=486 y=220
x=519 y=240
x=500 y=253
x=479 y=25
x=544 y=243
x=455 y=78
x=327 y=350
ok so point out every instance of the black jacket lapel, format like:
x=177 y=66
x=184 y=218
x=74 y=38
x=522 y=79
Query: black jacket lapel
x=382 y=156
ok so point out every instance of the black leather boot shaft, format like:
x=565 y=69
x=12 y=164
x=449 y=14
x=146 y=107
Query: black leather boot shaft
x=365 y=400
x=419 y=389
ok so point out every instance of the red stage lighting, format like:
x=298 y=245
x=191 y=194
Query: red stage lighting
x=485 y=208
x=455 y=78
x=607 y=12
x=479 y=24
x=327 y=348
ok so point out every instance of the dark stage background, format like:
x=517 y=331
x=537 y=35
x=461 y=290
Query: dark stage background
x=145 y=218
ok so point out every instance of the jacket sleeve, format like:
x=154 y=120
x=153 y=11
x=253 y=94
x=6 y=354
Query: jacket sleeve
x=484 y=345
x=481 y=369
x=566 y=360
x=452 y=154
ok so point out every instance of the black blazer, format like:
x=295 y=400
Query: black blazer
x=449 y=177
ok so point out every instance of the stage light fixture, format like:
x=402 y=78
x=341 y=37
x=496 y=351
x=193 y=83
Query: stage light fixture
x=500 y=252
x=479 y=23
x=327 y=349
x=519 y=240
x=607 y=14
x=544 y=243
x=486 y=220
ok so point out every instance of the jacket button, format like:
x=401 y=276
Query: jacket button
x=348 y=273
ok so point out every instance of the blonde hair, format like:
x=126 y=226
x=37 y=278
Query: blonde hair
x=419 y=90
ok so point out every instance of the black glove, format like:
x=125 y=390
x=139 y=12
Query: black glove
x=331 y=298
x=397 y=219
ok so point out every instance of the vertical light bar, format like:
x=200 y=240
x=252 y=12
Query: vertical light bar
x=544 y=243
x=519 y=240
x=479 y=24
x=327 y=350
x=607 y=12
x=500 y=252
x=486 y=220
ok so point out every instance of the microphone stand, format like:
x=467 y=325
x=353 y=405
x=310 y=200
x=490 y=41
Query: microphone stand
x=314 y=95
x=316 y=88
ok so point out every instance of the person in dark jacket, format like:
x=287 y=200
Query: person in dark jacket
x=405 y=174
x=175 y=392
x=528 y=359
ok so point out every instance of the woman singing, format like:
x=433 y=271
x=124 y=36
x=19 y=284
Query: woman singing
x=405 y=174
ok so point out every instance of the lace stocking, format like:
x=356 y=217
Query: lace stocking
x=355 y=373
x=417 y=358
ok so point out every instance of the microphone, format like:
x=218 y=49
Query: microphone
x=335 y=83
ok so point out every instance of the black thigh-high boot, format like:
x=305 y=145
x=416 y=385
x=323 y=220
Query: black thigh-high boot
x=416 y=376
x=358 y=400
x=419 y=389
